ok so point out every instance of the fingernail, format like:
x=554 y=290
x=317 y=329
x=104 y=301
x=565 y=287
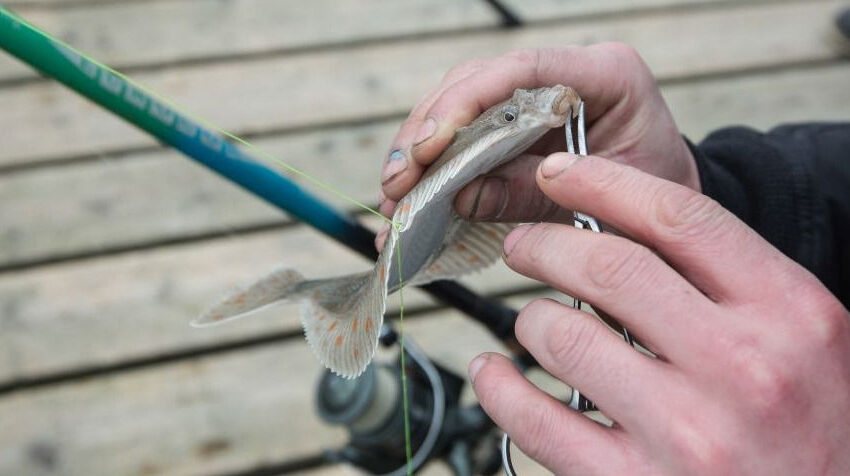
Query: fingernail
x=555 y=164
x=476 y=365
x=513 y=238
x=487 y=201
x=426 y=130
x=396 y=163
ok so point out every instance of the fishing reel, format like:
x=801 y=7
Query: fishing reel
x=371 y=407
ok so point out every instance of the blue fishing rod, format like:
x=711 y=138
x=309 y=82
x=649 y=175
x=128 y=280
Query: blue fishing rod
x=441 y=427
x=215 y=151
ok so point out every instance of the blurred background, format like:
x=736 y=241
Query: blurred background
x=111 y=243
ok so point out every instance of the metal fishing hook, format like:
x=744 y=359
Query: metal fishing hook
x=577 y=401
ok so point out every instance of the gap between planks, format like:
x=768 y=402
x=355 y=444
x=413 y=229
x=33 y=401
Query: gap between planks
x=269 y=95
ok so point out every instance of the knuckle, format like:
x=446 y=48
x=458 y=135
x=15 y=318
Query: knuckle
x=462 y=69
x=523 y=55
x=540 y=245
x=412 y=121
x=570 y=342
x=536 y=430
x=768 y=385
x=698 y=447
x=613 y=265
x=828 y=320
x=601 y=176
x=526 y=322
x=684 y=215
x=623 y=51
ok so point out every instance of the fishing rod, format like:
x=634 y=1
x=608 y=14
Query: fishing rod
x=211 y=148
x=441 y=427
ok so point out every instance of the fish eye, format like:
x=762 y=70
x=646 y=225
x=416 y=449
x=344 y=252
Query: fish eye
x=509 y=116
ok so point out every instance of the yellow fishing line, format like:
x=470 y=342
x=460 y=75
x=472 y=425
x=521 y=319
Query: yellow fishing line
x=407 y=444
x=272 y=160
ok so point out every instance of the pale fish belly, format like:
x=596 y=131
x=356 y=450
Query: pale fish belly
x=420 y=242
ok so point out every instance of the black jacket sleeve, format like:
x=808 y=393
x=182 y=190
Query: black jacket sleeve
x=792 y=185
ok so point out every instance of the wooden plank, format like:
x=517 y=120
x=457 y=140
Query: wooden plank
x=542 y=10
x=114 y=308
x=195 y=30
x=126 y=202
x=203 y=416
x=762 y=100
x=132 y=201
x=132 y=34
x=105 y=311
x=276 y=93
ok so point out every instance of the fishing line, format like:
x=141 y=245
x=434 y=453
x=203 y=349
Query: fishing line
x=404 y=400
x=271 y=160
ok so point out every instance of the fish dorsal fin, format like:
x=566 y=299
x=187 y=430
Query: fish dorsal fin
x=468 y=247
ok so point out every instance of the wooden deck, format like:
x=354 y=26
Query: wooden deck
x=110 y=244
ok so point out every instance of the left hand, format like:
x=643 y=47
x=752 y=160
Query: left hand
x=753 y=374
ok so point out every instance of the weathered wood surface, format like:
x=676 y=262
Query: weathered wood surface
x=196 y=30
x=213 y=414
x=56 y=315
x=130 y=201
x=271 y=94
x=182 y=31
x=103 y=311
x=720 y=62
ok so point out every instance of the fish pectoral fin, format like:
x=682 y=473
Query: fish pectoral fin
x=279 y=285
x=469 y=247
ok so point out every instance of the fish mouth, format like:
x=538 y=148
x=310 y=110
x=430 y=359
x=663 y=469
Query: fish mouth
x=561 y=102
x=567 y=101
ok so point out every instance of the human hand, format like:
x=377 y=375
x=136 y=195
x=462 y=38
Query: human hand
x=627 y=118
x=753 y=374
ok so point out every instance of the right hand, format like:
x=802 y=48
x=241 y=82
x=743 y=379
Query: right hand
x=628 y=122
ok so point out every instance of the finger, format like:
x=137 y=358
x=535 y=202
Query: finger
x=579 y=350
x=545 y=429
x=622 y=278
x=381 y=237
x=594 y=71
x=702 y=240
x=387 y=207
x=400 y=171
x=510 y=194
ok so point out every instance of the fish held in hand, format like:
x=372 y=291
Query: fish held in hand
x=342 y=316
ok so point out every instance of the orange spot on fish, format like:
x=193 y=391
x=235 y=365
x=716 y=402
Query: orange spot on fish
x=381 y=272
x=473 y=259
x=405 y=208
x=338 y=341
x=460 y=247
x=354 y=324
x=332 y=326
x=367 y=325
x=240 y=299
x=356 y=353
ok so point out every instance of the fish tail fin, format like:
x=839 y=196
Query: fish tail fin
x=342 y=318
x=278 y=286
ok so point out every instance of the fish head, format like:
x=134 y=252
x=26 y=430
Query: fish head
x=515 y=124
